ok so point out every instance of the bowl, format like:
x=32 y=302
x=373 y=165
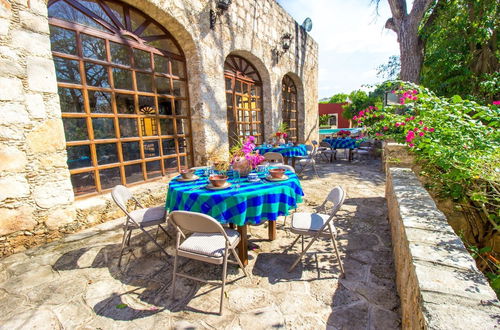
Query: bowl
x=277 y=173
x=218 y=180
x=187 y=174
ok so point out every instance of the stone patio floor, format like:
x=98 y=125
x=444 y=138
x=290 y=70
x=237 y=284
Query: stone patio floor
x=74 y=283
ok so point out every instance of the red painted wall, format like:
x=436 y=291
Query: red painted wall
x=331 y=108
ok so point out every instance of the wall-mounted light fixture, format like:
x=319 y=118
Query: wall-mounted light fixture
x=284 y=46
x=221 y=7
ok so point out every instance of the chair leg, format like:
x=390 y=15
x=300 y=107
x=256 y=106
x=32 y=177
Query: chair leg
x=302 y=236
x=126 y=233
x=315 y=171
x=303 y=253
x=235 y=255
x=174 y=278
x=154 y=241
x=337 y=252
x=224 y=271
x=295 y=241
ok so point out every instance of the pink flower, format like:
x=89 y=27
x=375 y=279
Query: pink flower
x=414 y=91
x=393 y=92
x=386 y=128
x=355 y=118
x=421 y=133
x=415 y=129
x=396 y=124
x=407 y=119
x=411 y=145
x=412 y=118
x=285 y=135
x=425 y=128
x=431 y=129
x=378 y=134
x=420 y=122
x=361 y=113
x=496 y=102
x=410 y=136
x=403 y=124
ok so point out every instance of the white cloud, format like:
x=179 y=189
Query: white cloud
x=352 y=40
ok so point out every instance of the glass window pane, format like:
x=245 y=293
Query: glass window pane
x=229 y=84
x=147 y=105
x=97 y=75
x=71 y=100
x=171 y=165
x=128 y=127
x=96 y=9
x=120 y=54
x=93 y=47
x=179 y=88
x=133 y=173
x=100 y=102
x=152 y=30
x=78 y=156
x=168 y=146
x=151 y=148
x=62 y=40
x=122 y=79
x=75 y=129
x=117 y=10
x=165 y=44
x=163 y=85
x=180 y=108
x=136 y=19
x=106 y=153
x=161 y=64
x=144 y=82
x=167 y=127
x=165 y=106
x=177 y=68
x=183 y=146
x=83 y=183
x=67 y=13
x=125 y=103
x=131 y=151
x=182 y=126
x=142 y=59
x=110 y=177
x=153 y=169
x=67 y=70
x=104 y=128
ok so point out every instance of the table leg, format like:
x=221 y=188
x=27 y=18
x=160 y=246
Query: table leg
x=293 y=162
x=286 y=160
x=243 y=245
x=350 y=155
x=271 y=230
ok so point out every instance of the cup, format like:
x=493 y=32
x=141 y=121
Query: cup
x=253 y=177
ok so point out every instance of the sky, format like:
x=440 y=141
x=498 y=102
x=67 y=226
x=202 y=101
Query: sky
x=352 y=41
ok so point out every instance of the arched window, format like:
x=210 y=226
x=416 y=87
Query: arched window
x=122 y=88
x=289 y=110
x=243 y=99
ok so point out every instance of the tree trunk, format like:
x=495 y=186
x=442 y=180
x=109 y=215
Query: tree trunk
x=406 y=26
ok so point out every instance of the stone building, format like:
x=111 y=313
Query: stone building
x=95 y=93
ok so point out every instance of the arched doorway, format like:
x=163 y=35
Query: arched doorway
x=289 y=107
x=123 y=94
x=243 y=100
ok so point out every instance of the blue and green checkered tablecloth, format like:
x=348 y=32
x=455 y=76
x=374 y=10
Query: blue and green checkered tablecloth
x=292 y=151
x=251 y=203
x=344 y=143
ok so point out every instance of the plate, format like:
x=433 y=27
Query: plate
x=194 y=178
x=284 y=178
x=211 y=187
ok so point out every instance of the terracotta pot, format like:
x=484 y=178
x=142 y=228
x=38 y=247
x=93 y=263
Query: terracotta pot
x=218 y=180
x=277 y=173
x=243 y=167
x=187 y=174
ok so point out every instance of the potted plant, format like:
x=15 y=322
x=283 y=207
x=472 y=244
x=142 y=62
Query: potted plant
x=243 y=157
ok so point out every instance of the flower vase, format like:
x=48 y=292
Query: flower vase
x=242 y=166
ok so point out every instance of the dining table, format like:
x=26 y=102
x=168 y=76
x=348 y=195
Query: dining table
x=288 y=151
x=241 y=204
x=344 y=143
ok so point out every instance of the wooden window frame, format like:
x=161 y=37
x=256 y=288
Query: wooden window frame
x=289 y=106
x=238 y=70
x=133 y=40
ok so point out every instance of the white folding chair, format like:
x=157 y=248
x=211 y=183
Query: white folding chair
x=274 y=157
x=309 y=161
x=327 y=151
x=210 y=242
x=317 y=225
x=138 y=218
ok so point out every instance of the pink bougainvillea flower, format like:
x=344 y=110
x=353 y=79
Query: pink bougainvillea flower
x=414 y=91
x=407 y=119
x=410 y=136
x=393 y=92
x=411 y=145
x=386 y=128
x=378 y=134
x=420 y=122
x=421 y=133
x=403 y=124
x=496 y=102
x=355 y=118
x=415 y=129
x=396 y=124
x=431 y=129
x=412 y=118
x=425 y=128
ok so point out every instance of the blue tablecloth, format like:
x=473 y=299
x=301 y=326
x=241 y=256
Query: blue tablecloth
x=251 y=203
x=344 y=143
x=293 y=151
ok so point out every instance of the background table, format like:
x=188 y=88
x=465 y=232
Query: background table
x=287 y=152
x=344 y=143
x=251 y=203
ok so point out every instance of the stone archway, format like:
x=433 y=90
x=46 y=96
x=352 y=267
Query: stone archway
x=300 y=105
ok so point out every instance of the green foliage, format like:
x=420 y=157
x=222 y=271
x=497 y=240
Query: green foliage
x=361 y=100
x=461 y=49
x=337 y=98
x=391 y=69
x=455 y=141
x=324 y=120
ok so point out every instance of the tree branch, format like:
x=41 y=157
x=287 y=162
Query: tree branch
x=390 y=25
x=398 y=8
x=418 y=10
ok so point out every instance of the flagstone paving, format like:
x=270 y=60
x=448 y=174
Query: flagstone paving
x=74 y=283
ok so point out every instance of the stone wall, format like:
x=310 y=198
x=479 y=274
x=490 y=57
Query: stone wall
x=36 y=196
x=438 y=282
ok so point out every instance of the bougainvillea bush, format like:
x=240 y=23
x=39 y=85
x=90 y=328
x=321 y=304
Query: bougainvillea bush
x=457 y=144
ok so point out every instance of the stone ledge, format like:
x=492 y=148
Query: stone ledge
x=437 y=279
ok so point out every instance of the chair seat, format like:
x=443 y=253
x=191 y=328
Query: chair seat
x=303 y=223
x=362 y=151
x=209 y=244
x=306 y=160
x=149 y=216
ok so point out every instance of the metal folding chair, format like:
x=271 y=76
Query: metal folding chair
x=308 y=161
x=138 y=218
x=210 y=242
x=274 y=157
x=317 y=225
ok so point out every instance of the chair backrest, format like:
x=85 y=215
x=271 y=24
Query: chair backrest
x=199 y=168
x=121 y=195
x=365 y=144
x=273 y=157
x=325 y=144
x=195 y=222
x=309 y=147
x=286 y=167
x=315 y=143
x=337 y=197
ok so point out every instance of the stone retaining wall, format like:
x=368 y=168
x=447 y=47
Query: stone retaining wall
x=438 y=282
